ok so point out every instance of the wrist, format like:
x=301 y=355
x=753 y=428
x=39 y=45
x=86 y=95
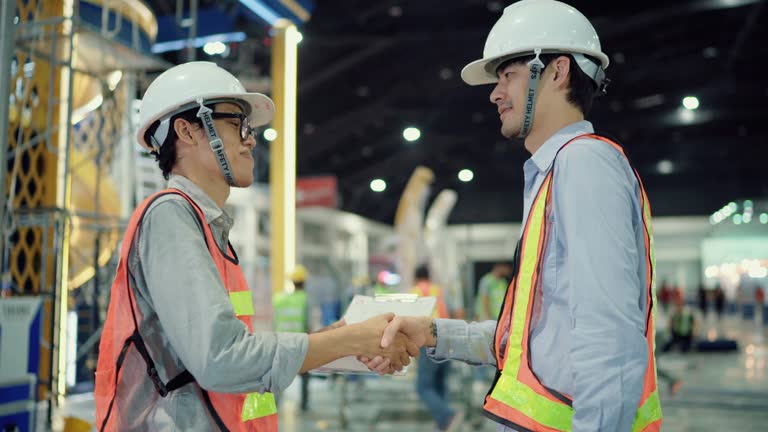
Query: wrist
x=431 y=333
x=353 y=339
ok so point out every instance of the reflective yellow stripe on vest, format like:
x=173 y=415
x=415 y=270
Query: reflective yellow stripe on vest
x=291 y=312
x=648 y=413
x=256 y=405
x=242 y=302
x=508 y=389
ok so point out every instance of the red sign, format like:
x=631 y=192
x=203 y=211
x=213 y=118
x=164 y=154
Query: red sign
x=317 y=192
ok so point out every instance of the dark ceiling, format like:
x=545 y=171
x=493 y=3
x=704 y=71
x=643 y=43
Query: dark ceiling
x=367 y=69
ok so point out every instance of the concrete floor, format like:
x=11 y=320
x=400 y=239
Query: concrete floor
x=721 y=392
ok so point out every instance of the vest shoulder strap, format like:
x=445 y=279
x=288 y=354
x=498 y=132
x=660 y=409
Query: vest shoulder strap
x=184 y=377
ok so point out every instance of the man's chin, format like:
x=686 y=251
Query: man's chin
x=243 y=182
x=510 y=132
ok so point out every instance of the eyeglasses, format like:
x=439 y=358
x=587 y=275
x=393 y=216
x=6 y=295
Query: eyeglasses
x=245 y=124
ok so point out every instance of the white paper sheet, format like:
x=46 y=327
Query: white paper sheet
x=364 y=307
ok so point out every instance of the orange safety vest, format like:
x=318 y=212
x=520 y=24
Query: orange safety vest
x=231 y=412
x=426 y=289
x=517 y=398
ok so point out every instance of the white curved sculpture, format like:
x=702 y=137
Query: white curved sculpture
x=443 y=257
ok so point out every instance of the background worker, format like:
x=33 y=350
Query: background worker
x=431 y=382
x=291 y=315
x=490 y=292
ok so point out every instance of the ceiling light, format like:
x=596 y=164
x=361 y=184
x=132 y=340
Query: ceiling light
x=411 y=134
x=764 y=218
x=466 y=175
x=665 y=167
x=179 y=44
x=213 y=48
x=758 y=272
x=690 y=102
x=737 y=219
x=712 y=272
x=378 y=185
x=710 y=52
x=270 y=134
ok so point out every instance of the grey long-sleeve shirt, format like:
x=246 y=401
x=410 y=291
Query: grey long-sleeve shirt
x=188 y=322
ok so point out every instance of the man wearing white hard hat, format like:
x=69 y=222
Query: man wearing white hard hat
x=573 y=343
x=178 y=351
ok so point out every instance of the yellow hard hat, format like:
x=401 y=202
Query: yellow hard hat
x=299 y=274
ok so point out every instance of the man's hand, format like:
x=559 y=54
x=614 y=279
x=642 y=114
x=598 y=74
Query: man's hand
x=418 y=330
x=398 y=351
x=360 y=339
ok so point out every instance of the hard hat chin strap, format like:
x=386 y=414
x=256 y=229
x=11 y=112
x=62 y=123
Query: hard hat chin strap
x=217 y=146
x=535 y=67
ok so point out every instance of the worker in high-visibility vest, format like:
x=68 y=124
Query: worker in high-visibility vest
x=490 y=292
x=178 y=350
x=292 y=315
x=574 y=343
x=432 y=377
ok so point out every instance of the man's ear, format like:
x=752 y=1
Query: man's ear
x=183 y=131
x=561 y=67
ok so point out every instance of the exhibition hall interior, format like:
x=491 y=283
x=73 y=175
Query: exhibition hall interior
x=561 y=211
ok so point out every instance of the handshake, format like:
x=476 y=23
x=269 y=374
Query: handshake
x=386 y=343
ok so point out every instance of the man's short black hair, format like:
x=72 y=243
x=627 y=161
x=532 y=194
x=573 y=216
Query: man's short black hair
x=582 y=89
x=422 y=272
x=166 y=155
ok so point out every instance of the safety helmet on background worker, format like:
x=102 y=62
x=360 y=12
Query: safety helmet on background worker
x=299 y=274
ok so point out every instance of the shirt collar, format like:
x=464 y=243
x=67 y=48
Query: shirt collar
x=211 y=211
x=545 y=155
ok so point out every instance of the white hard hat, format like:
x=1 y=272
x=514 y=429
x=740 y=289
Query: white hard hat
x=180 y=87
x=528 y=25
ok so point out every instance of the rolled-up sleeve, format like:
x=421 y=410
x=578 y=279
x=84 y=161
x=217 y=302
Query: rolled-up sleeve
x=196 y=315
x=468 y=342
x=595 y=202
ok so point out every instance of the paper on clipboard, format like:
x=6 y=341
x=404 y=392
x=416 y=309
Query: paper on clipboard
x=363 y=307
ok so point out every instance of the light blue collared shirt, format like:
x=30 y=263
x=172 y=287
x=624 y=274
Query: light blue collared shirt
x=588 y=340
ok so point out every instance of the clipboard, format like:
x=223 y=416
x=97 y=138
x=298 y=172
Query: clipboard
x=363 y=307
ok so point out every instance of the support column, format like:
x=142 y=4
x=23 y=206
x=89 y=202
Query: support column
x=63 y=200
x=282 y=156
